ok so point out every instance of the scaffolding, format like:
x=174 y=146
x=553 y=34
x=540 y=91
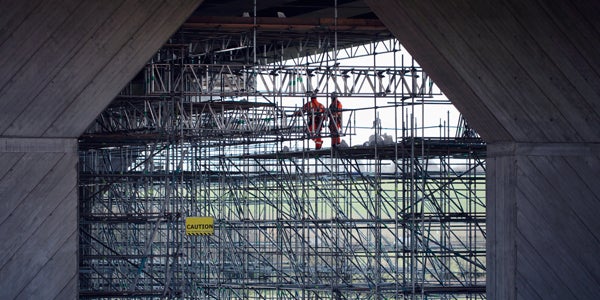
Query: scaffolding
x=401 y=216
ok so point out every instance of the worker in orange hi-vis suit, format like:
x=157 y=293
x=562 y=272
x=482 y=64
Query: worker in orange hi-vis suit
x=335 y=120
x=316 y=115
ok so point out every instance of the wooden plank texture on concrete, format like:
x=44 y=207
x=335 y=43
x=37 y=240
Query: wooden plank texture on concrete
x=88 y=53
x=549 y=27
x=70 y=290
x=492 y=197
x=572 y=191
x=588 y=11
x=23 y=178
x=15 y=16
x=120 y=68
x=528 y=286
x=501 y=227
x=557 y=198
x=45 y=284
x=578 y=21
x=546 y=90
x=580 y=150
x=557 y=267
x=8 y=161
x=588 y=168
x=37 y=145
x=31 y=211
x=512 y=87
x=28 y=37
x=555 y=224
x=50 y=236
x=40 y=72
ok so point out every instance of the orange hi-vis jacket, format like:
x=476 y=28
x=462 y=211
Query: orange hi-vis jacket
x=335 y=109
x=315 y=111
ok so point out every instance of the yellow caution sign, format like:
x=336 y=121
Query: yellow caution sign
x=199 y=226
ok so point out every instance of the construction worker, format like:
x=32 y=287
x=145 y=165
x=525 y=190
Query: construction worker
x=315 y=112
x=335 y=120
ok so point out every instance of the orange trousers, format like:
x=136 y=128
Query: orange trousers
x=315 y=132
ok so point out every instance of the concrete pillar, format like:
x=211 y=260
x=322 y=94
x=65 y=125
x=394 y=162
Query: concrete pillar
x=542 y=218
x=38 y=218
